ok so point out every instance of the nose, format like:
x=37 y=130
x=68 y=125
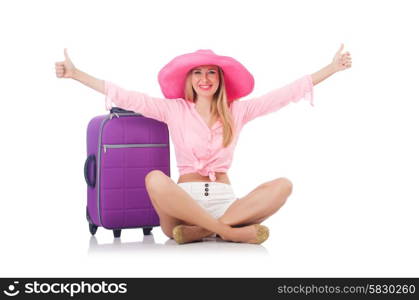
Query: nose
x=205 y=78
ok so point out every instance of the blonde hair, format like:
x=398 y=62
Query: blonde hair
x=219 y=105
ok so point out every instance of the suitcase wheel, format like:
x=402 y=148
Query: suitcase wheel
x=92 y=228
x=117 y=233
x=147 y=231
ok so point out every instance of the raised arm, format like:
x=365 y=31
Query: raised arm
x=340 y=62
x=160 y=109
x=247 y=110
x=322 y=74
x=157 y=108
x=294 y=91
x=66 y=69
x=90 y=81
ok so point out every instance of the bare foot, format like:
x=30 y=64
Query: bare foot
x=252 y=234
x=186 y=234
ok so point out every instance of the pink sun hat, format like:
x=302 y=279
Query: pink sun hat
x=238 y=80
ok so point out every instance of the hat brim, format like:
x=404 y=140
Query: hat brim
x=238 y=80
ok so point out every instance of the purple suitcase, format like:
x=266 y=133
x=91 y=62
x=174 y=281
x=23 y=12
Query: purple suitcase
x=122 y=147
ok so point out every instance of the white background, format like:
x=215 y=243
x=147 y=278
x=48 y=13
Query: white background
x=353 y=157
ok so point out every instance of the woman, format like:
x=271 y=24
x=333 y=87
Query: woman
x=200 y=107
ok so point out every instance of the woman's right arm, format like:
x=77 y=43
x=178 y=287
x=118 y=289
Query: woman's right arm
x=90 y=81
x=157 y=108
x=66 y=69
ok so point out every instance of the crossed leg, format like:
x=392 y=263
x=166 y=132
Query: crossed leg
x=254 y=208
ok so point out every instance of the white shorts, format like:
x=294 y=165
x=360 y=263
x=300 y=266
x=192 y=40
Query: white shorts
x=214 y=197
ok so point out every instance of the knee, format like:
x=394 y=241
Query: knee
x=282 y=186
x=154 y=179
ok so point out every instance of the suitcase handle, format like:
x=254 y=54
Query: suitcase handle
x=90 y=158
x=120 y=110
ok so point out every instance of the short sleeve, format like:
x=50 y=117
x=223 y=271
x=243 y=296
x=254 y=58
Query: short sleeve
x=151 y=107
x=276 y=99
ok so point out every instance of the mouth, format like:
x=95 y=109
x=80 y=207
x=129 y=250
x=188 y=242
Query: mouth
x=205 y=87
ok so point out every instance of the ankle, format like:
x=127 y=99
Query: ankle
x=228 y=233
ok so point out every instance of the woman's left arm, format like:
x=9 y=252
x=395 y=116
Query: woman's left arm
x=340 y=62
x=292 y=92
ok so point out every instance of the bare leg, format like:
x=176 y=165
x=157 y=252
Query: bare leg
x=259 y=204
x=171 y=200
x=254 y=208
x=167 y=223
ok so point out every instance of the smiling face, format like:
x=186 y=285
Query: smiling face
x=205 y=80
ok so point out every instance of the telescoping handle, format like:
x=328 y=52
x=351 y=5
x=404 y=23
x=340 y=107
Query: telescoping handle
x=90 y=161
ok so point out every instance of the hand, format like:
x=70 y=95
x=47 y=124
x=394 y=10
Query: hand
x=65 y=68
x=341 y=61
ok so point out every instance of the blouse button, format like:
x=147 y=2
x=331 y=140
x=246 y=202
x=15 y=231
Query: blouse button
x=206 y=184
x=206 y=194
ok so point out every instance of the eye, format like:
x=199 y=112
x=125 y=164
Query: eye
x=197 y=72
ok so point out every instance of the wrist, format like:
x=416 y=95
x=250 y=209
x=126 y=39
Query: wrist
x=75 y=74
x=332 y=68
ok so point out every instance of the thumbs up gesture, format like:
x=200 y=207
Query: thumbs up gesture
x=65 y=68
x=342 y=61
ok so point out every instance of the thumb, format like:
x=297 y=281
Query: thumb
x=66 y=54
x=340 y=49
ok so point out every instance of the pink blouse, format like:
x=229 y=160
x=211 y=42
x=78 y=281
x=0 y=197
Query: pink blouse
x=198 y=148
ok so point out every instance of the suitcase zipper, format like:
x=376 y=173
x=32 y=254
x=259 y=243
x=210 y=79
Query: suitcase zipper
x=132 y=146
